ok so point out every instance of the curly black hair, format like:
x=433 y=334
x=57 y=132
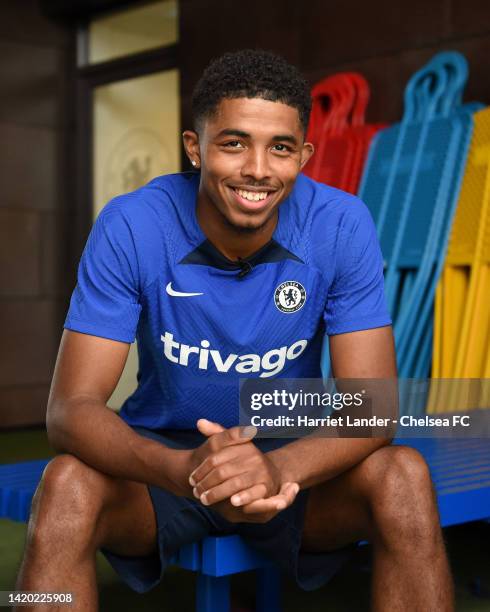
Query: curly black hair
x=250 y=73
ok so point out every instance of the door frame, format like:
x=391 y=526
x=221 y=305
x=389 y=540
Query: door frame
x=88 y=78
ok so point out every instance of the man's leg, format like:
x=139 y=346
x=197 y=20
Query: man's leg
x=75 y=511
x=389 y=500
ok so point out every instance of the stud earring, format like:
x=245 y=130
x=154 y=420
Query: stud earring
x=194 y=163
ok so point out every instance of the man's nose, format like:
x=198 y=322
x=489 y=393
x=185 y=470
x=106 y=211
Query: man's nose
x=256 y=165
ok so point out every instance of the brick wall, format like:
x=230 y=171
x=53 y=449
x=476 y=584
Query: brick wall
x=35 y=58
x=386 y=40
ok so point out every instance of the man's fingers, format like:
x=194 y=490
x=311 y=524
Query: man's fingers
x=226 y=437
x=234 y=435
x=216 y=442
x=217 y=469
x=208 y=428
x=227 y=489
x=247 y=496
x=282 y=500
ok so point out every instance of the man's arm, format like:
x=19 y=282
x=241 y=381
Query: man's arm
x=78 y=421
x=87 y=371
x=368 y=354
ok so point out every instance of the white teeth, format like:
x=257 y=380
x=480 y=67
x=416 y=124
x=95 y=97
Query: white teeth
x=252 y=196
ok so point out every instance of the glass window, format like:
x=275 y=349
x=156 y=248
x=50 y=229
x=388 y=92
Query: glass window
x=136 y=133
x=132 y=31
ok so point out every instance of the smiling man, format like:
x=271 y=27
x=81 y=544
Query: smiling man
x=237 y=269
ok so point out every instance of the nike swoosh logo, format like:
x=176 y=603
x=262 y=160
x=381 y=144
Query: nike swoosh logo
x=174 y=293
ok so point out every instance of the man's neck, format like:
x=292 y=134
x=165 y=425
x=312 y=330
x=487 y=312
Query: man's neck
x=232 y=242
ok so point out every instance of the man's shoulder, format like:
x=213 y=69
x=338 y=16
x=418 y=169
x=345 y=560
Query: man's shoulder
x=158 y=195
x=149 y=212
x=328 y=222
x=149 y=219
x=322 y=205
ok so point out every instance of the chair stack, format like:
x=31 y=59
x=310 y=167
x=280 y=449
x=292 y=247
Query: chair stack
x=338 y=130
x=461 y=348
x=411 y=184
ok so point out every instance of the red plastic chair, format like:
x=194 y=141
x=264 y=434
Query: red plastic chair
x=338 y=130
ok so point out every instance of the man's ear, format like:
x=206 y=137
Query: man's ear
x=191 y=146
x=306 y=152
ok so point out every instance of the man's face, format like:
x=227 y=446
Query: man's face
x=250 y=153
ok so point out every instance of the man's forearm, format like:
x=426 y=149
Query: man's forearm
x=92 y=432
x=309 y=461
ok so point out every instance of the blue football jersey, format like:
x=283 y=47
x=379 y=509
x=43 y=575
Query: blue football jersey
x=202 y=321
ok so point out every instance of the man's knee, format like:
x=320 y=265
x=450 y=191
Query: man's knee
x=398 y=470
x=68 y=500
x=401 y=495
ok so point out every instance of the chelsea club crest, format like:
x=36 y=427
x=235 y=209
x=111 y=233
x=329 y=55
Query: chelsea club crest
x=289 y=296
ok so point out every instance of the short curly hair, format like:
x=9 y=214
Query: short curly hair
x=250 y=73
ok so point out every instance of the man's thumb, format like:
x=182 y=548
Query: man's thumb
x=208 y=428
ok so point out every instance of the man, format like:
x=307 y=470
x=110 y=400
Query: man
x=200 y=267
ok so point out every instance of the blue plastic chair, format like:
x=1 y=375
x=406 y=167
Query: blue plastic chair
x=411 y=183
x=415 y=318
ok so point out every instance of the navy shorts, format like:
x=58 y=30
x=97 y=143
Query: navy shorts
x=181 y=521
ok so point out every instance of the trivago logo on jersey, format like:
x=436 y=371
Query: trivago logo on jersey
x=268 y=364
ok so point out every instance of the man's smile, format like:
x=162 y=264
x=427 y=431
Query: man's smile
x=252 y=199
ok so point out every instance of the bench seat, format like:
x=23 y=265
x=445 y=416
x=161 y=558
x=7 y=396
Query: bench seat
x=460 y=469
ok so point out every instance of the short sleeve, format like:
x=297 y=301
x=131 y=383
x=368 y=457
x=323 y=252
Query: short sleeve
x=356 y=298
x=105 y=301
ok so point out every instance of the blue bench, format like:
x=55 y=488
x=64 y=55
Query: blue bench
x=460 y=470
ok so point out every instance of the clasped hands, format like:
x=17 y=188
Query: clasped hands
x=229 y=473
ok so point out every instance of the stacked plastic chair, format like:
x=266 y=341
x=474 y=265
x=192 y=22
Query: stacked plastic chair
x=462 y=306
x=411 y=183
x=338 y=130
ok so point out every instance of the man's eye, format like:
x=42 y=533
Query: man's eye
x=282 y=148
x=233 y=144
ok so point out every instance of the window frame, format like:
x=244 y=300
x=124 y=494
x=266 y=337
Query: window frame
x=88 y=77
